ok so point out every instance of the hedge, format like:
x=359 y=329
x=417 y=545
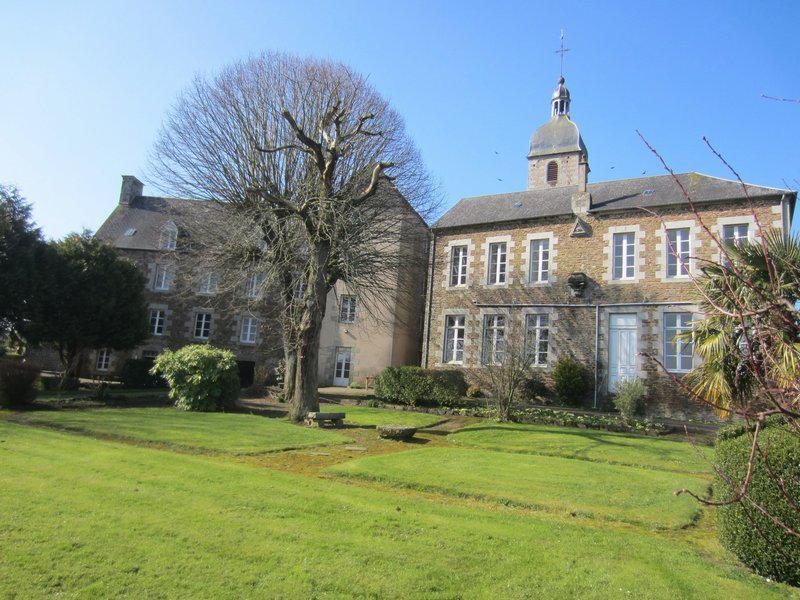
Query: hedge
x=200 y=377
x=743 y=529
x=415 y=385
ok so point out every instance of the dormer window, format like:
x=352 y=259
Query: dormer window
x=169 y=236
x=130 y=232
x=552 y=172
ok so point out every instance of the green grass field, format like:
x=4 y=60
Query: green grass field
x=81 y=517
x=365 y=416
x=217 y=432
x=586 y=444
x=640 y=496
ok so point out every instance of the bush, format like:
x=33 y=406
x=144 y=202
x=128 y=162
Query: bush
x=135 y=374
x=628 y=400
x=17 y=382
x=415 y=385
x=356 y=385
x=474 y=391
x=570 y=381
x=534 y=388
x=200 y=377
x=752 y=536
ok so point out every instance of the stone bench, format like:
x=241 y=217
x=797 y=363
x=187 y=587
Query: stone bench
x=396 y=432
x=321 y=419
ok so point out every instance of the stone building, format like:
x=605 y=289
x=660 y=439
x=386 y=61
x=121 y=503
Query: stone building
x=357 y=340
x=581 y=270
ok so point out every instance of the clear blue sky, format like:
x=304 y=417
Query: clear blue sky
x=85 y=85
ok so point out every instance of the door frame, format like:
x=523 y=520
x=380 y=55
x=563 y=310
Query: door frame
x=611 y=337
x=339 y=350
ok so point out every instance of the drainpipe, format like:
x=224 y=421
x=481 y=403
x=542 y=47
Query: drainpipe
x=430 y=301
x=596 y=353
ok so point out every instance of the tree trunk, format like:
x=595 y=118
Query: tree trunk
x=290 y=362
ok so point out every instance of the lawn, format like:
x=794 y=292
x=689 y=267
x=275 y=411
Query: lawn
x=218 y=432
x=628 y=494
x=87 y=517
x=365 y=416
x=586 y=444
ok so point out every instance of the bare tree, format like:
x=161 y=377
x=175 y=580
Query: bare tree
x=316 y=181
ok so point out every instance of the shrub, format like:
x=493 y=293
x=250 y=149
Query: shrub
x=414 y=385
x=628 y=400
x=534 y=388
x=474 y=391
x=356 y=385
x=743 y=529
x=17 y=382
x=135 y=374
x=570 y=381
x=200 y=377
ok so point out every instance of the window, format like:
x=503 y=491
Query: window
x=552 y=172
x=540 y=261
x=497 y=263
x=202 y=326
x=130 y=232
x=735 y=234
x=458 y=265
x=677 y=352
x=454 y=339
x=103 y=359
x=537 y=333
x=169 y=237
x=161 y=280
x=494 y=339
x=156 y=321
x=254 y=283
x=678 y=251
x=347 y=309
x=208 y=284
x=249 y=330
x=624 y=255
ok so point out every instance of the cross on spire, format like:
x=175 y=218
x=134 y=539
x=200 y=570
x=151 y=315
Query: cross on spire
x=562 y=51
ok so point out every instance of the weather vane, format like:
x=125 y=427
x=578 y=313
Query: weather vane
x=562 y=51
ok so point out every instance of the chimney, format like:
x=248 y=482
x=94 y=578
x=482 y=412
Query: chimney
x=582 y=199
x=131 y=187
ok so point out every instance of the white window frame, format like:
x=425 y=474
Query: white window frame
x=678 y=252
x=253 y=287
x=209 y=284
x=539 y=261
x=169 y=236
x=248 y=330
x=628 y=251
x=103 y=362
x=455 y=329
x=676 y=349
x=497 y=267
x=161 y=278
x=493 y=346
x=537 y=332
x=157 y=321
x=202 y=325
x=347 y=308
x=459 y=256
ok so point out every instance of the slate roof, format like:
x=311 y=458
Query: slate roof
x=556 y=136
x=607 y=196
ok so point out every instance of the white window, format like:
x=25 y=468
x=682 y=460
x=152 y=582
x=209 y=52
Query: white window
x=202 y=326
x=347 y=309
x=494 y=339
x=103 y=359
x=624 y=255
x=735 y=234
x=497 y=263
x=678 y=252
x=537 y=334
x=249 y=330
x=169 y=237
x=161 y=279
x=254 y=283
x=454 y=339
x=458 y=265
x=540 y=261
x=156 y=321
x=208 y=284
x=677 y=352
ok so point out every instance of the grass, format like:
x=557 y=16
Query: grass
x=216 y=432
x=631 y=495
x=366 y=416
x=92 y=518
x=586 y=444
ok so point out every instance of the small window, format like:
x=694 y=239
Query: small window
x=130 y=232
x=735 y=235
x=540 y=261
x=254 y=283
x=208 y=284
x=103 y=359
x=537 y=334
x=202 y=326
x=454 y=339
x=494 y=339
x=677 y=351
x=156 y=321
x=169 y=236
x=678 y=250
x=458 y=265
x=552 y=172
x=624 y=255
x=497 y=263
x=161 y=280
x=347 y=309
x=249 y=330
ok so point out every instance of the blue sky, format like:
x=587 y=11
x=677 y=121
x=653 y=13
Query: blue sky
x=86 y=85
